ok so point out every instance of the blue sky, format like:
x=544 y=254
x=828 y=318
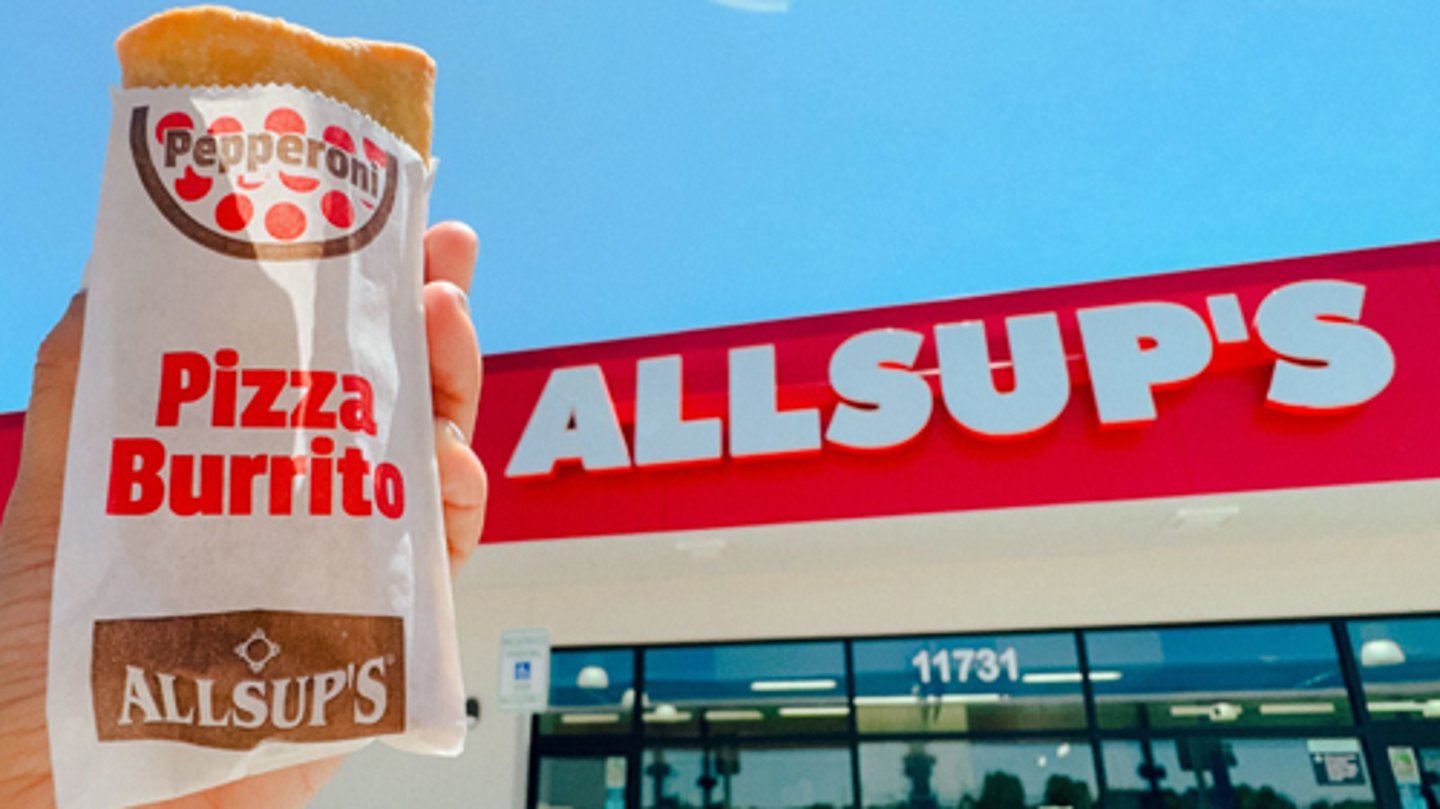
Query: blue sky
x=639 y=166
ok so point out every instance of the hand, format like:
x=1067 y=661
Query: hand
x=27 y=538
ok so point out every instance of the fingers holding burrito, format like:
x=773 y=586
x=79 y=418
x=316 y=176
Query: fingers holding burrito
x=450 y=250
x=455 y=367
x=47 y=423
x=27 y=556
x=463 y=490
x=28 y=534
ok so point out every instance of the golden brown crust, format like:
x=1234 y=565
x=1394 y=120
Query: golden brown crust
x=213 y=45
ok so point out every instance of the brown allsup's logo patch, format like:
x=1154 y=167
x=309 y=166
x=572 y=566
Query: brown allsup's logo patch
x=235 y=679
x=273 y=188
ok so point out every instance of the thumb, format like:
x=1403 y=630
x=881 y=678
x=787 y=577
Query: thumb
x=35 y=501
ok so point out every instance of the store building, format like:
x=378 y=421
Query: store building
x=1158 y=542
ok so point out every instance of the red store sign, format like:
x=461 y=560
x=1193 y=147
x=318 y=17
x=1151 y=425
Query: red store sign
x=1306 y=372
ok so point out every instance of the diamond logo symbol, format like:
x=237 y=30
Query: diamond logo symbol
x=257 y=650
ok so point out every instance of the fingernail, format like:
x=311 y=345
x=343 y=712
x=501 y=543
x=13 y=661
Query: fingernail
x=458 y=293
x=455 y=432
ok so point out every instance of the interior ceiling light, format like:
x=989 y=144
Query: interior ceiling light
x=1381 y=652
x=809 y=711
x=1296 y=708
x=667 y=713
x=734 y=716
x=589 y=718
x=627 y=699
x=916 y=699
x=1394 y=706
x=1048 y=677
x=1215 y=712
x=794 y=685
x=593 y=677
x=967 y=699
x=896 y=699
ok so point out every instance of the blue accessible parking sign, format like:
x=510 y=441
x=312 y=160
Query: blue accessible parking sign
x=524 y=670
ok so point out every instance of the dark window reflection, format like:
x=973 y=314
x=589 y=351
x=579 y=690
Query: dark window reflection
x=591 y=782
x=968 y=683
x=1231 y=676
x=591 y=692
x=977 y=775
x=747 y=777
x=746 y=690
x=1400 y=667
x=1215 y=773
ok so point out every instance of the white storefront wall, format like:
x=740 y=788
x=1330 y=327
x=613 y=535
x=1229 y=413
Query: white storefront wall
x=1334 y=551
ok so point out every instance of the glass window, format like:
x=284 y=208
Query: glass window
x=968 y=683
x=1399 y=664
x=745 y=690
x=591 y=692
x=590 y=782
x=749 y=776
x=1285 y=674
x=982 y=775
x=1415 y=772
x=1214 y=773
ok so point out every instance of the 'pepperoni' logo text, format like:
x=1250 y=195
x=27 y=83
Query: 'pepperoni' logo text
x=274 y=188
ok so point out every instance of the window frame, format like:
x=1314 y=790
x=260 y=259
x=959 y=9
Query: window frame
x=633 y=743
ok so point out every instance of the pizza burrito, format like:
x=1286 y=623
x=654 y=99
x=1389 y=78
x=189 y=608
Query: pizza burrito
x=213 y=46
x=251 y=570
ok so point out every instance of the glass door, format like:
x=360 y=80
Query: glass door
x=1410 y=758
x=580 y=782
x=1399 y=665
x=729 y=775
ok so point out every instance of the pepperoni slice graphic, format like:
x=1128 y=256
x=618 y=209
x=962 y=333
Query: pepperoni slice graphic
x=171 y=121
x=192 y=186
x=233 y=212
x=375 y=153
x=224 y=123
x=285 y=221
x=248 y=185
x=299 y=184
x=284 y=121
x=339 y=138
x=337 y=209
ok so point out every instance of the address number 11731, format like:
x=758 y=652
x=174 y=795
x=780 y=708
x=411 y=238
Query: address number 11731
x=960 y=665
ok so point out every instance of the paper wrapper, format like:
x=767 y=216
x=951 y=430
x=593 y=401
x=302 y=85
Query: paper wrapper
x=251 y=569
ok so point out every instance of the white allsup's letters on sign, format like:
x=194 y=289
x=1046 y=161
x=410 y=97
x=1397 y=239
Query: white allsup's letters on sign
x=1042 y=383
x=1328 y=361
x=1325 y=360
x=757 y=425
x=1134 y=348
x=574 y=420
x=662 y=435
x=883 y=404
